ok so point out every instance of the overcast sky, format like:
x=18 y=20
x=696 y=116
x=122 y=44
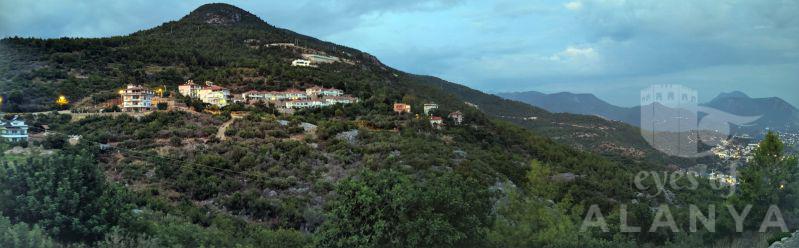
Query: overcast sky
x=612 y=48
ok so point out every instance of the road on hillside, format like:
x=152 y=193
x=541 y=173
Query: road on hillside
x=220 y=134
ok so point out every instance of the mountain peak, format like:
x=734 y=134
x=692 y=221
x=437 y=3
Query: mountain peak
x=732 y=94
x=221 y=14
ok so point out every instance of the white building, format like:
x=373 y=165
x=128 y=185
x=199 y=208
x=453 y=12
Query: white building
x=210 y=93
x=189 y=89
x=14 y=130
x=305 y=104
x=214 y=95
x=332 y=100
x=320 y=59
x=137 y=98
x=302 y=63
x=320 y=91
x=331 y=92
x=429 y=107
x=456 y=117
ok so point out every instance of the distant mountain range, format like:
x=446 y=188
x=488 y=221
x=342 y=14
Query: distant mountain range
x=775 y=113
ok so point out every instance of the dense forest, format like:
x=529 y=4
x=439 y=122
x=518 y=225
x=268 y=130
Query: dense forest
x=363 y=177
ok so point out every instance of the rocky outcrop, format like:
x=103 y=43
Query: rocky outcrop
x=787 y=242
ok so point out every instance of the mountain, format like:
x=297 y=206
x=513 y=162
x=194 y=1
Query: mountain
x=566 y=102
x=776 y=114
x=365 y=176
x=203 y=44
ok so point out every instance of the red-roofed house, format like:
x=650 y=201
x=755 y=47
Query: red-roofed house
x=402 y=108
x=436 y=121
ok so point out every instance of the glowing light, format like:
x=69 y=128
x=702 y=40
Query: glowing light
x=62 y=100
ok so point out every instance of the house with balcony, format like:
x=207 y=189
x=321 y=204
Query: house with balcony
x=210 y=93
x=214 y=95
x=14 y=130
x=189 y=89
x=137 y=98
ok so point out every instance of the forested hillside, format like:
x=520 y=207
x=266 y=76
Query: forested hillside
x=365 y=176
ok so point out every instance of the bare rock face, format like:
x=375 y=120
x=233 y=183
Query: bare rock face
x=222 y=19
x=787 y=242
x=220 y=14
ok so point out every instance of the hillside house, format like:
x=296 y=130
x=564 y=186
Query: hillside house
x=320 y=59
x=333 y=100
x=137 y=98
x=210 y=93
x=456 y=117
x=331 y=92
x=189 y=89
x=214 y=95
x=436 y=122
x=429 y=107
x=313 y=91
x=301 y=63
x=320 y=91
x=295 y=104
x=402 y=108
x=14 y=130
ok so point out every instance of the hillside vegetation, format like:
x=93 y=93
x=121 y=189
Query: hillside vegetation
x=365 y=177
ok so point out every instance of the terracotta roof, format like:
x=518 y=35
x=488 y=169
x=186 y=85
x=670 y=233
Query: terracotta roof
x=215 y=87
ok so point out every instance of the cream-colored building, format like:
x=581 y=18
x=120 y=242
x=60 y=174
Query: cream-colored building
x=137 y=98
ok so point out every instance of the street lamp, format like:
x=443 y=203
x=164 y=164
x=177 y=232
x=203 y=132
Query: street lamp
x=62 y=100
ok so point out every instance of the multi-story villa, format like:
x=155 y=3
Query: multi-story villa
x=214 y=95
x=137 y=98
x=189 y=89
x=14 y=130
x=210 y=93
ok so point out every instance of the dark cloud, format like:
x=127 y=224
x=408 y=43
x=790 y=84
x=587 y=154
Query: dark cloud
x=570 y=45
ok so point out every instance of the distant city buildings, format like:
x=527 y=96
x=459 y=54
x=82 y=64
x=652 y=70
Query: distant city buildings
x=137 y=98
x=723 y=178
x=14 y=130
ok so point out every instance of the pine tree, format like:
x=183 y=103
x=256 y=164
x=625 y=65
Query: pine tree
x=768 y=180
